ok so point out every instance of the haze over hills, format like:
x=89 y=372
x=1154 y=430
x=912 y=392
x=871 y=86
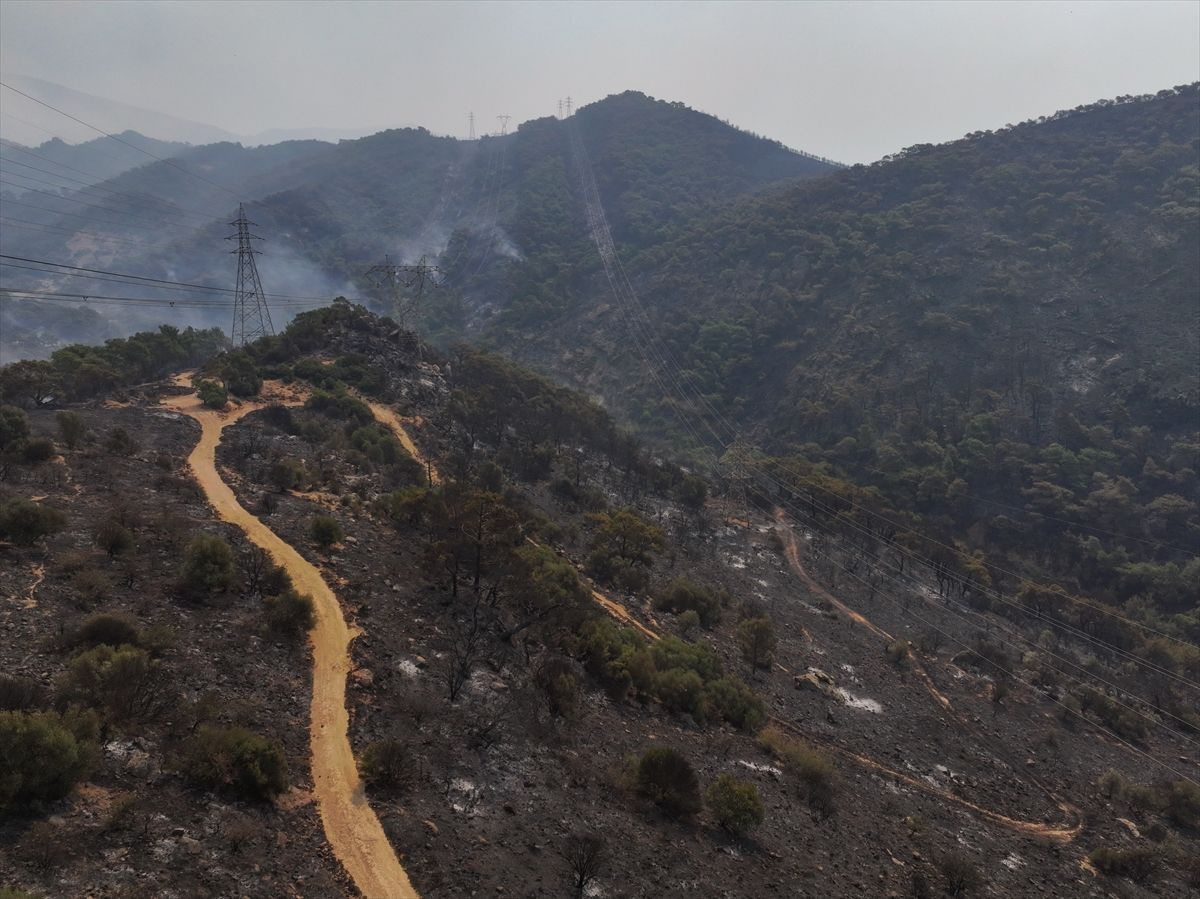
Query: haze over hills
x=329 y=212
x=864 y=498
x=149 y=123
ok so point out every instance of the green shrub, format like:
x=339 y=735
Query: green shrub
x=668 y=780
x=1120 y=720
x=212 y=394
x=962 y=877
x=123 y=681
x=689 y=621
x=809 y=767
x=340 y=405
x=679 y=689
x=1137 y=864
x=71 y=427
x=208 y=565
x=105 y=628
x=237 y=760
x=692 y=492
x=1182 y=803
x=735 y=804
x=24 y=522
x=114 y=539
x=42 y=756
x=14 y=426
x=897 y=652
x=120 y=442
x=387 y=764
x=756 y=639
x=37 y=450
x=287 y=473
x=20 y=694
x=681 y=595
x=729 y=699
x=325 y=531
x=289 y=614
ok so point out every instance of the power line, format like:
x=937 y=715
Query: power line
x=85 y=185
x=624 y=292
x=119 y=140
x=163 y=222
x=47 y=228
x=1011 y=674
x=177 y=284
x=188 y=302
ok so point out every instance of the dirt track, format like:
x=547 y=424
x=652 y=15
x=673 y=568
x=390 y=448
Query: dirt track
x=352 y=828
x=1063 y=833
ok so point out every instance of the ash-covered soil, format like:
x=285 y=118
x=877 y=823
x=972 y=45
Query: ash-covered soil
x=137 y=828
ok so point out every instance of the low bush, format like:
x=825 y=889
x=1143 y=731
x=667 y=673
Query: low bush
x=43 y=755
x=114 y=539
x=756 y=639
x=735 y=804
x=287 y=474
x=71 y=427
x=106 y=628
x=289 y=614
x=25 y=522
x=212 y=394
x=962 y=877
x=237 y=760
x=326 y=531
x=1182 y=803
x=387 y=764
x=208 y=565
x=682 y=595
x=19 y=694
x=123 y=681
x=808 y=766
x=668 y=780
x=1137 y=864
x=38 y=450
x=1114 y=716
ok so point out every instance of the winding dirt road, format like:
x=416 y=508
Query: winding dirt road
x=351 y=826
x=1063 y=833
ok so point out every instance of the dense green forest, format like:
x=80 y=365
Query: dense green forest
x=993 y=342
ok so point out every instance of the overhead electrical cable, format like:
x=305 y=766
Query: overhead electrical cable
x=119 y=140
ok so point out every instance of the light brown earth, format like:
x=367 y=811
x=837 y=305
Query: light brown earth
x=351 y=826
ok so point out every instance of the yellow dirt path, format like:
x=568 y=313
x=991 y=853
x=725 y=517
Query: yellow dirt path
x=1058 y=833
x=791 y=551
x=388 y=417
x=351 y=826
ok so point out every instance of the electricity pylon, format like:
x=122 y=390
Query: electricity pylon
x=394 y=280
x=251 y=316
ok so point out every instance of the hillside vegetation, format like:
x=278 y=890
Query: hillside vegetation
x=993 y=342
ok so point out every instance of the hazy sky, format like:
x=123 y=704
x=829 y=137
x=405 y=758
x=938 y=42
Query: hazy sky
x=849 y=80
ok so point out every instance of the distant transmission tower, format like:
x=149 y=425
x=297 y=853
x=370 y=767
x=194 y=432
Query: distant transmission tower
x=251 y=317
x=560 y=115
x=471 y=121
x=503 y=124
x=392 y=280
x=568 y=107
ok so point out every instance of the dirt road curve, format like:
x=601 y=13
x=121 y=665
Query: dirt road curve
x=1062 y=833
x=353 y=830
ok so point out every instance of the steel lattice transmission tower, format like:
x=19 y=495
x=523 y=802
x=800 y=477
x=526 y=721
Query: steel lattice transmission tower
x=392 y=280
x=251 y=317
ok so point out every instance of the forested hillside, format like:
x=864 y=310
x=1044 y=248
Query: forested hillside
x=500 y=215
x=996 y=338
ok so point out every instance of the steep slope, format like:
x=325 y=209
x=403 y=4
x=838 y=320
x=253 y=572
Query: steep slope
x=85 y=163
x=999 y=333
x=499 y=215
